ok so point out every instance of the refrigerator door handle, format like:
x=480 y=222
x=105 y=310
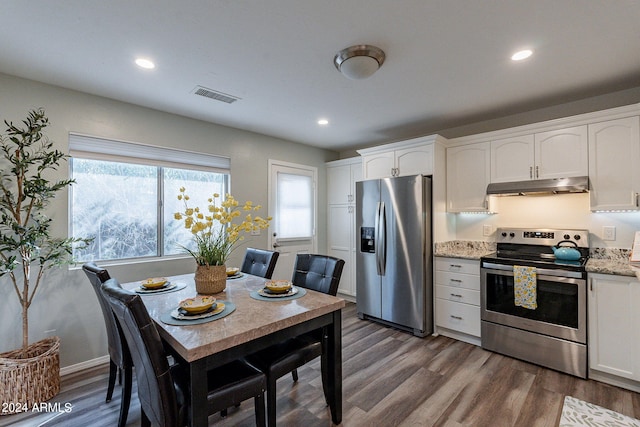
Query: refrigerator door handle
x=381 y=237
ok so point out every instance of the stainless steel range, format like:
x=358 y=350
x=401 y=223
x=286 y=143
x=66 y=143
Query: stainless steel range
x=552 y=331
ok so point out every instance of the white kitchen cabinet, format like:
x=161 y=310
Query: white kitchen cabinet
x=614 y=164
x=457 y=298
x=557 y=153
x=614 y=325
x=399 y=159
x=468 y=174
x=342 y=176
x=512 y=159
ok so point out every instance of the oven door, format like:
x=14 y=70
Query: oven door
x=561 y=300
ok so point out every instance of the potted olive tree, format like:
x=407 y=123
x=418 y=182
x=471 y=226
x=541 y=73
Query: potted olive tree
x=31 y=374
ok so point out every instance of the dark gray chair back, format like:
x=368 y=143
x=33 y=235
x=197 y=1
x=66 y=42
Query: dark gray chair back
x=259 y=262
x=97 y=276
x=318 y=272
x=156 y=390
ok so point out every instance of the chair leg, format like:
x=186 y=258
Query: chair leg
x=271 y=401
x=144 y=420
x=294 y=375
x=259 y=409
x=113 y=371
x=126 y=397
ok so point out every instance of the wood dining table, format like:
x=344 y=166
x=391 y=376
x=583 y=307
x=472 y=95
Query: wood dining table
x=254 y=325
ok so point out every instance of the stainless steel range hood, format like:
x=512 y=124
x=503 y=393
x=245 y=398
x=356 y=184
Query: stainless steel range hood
x=579 y=184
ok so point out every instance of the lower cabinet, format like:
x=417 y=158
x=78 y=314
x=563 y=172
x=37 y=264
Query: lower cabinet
x=457 y=298
x=614 y=329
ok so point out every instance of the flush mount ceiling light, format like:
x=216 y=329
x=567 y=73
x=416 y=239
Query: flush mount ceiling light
x=520 y=55
x=145 y=63
x=360 y=61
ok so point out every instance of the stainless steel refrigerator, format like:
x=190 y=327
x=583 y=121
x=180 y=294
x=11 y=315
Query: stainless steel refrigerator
x=393 y=261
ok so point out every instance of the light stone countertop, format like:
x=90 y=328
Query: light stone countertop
x=601 y=260
x=464 y=249
x=610 y=261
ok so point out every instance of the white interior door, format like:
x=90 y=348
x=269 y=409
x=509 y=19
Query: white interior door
x=292 y=205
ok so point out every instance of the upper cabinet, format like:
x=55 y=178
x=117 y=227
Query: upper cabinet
x=468 y=172
x=411 y=157
x=558 y=153
x=614 y=159
x=341 y=180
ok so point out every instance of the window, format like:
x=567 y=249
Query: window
x=294 y=218
x=125 y=195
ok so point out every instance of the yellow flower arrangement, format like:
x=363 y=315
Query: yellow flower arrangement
x=214 y=230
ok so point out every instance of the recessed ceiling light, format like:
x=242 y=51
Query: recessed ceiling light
x=145 y=63
x=523 y=54
x=323 y=122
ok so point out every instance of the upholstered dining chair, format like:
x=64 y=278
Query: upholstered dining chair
x=163 y=389
x=259 y=262
x=119 y=358
x=317 y=272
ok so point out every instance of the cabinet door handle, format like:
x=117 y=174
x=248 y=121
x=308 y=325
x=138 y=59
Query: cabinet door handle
x=530 y=172
x=456 y=295
x=636 y=200
x=591 y=285
x=456 y=280
x=455 y=266
x=456 y=317
x=537 y=172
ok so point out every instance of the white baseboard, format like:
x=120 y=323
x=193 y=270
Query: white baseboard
x=87 y=364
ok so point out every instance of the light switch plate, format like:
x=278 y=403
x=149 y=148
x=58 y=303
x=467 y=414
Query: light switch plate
x=608 y=233
x=487 y=230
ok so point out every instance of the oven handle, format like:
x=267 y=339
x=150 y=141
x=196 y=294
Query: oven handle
x=540 y=271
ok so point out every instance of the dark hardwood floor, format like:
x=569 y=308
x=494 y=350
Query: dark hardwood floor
x=390 y=378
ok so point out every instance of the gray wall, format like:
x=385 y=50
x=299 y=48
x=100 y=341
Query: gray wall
x=66 y=302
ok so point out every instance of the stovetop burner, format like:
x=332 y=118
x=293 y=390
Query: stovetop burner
x=533 y=247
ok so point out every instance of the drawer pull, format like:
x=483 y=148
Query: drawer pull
x=456 y=295
x=456 y=317
x=455 y=266
x=456 y=280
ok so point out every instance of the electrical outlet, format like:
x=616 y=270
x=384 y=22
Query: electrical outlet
x=487 y=230
x=609 y=233
x=255 y=232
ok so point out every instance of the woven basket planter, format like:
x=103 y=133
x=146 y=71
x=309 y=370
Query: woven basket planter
x=33 y=379
x=211 y=279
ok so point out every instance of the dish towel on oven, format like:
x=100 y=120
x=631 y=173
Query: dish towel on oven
x=525 y=287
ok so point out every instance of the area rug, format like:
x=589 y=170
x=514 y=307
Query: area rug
x=578 y=413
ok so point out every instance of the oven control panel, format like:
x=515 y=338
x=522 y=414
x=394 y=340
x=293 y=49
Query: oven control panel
x=538 y=234
x=543 y=236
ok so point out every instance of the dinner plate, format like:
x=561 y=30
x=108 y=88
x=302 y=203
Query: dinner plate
x=267 y=293
x=165 y=287
x=235 y=276
x=180 y=314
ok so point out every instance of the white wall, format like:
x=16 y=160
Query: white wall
x=550 y=211
x=66 y=301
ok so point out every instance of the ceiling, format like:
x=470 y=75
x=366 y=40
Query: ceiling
x=447 y=61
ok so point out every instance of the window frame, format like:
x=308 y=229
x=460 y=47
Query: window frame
x=101 y=149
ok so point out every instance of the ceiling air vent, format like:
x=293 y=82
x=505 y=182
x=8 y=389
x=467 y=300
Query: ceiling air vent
x=218 y=96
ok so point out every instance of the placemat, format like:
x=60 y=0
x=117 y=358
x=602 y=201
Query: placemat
x=178 y=286
x=301 y=292
x=229 y=308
